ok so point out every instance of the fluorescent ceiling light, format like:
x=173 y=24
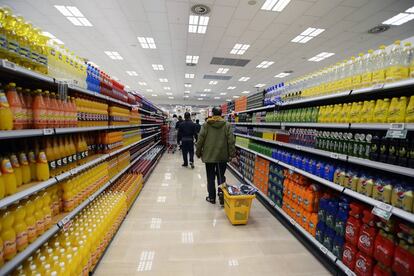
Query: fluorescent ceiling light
x=167 y=88
x=246 y=92
x=239 y=49
x=188 y=85
x=147 y=42
x=213 y=82
x=236 y=97
x=186 y=92
x=74 y=15
x=321 y=56
x=53 y=38
x=307 y=35
x=189 y=76
x=244 y=79
x=200 y=99
x=149 y=90
x=259 y=85
x=401 y=18
x=132 y=73
x=168 y=93
x=282 y=75
x=163 y=80
x=198 y=24
x=207 y=90
x=114 y=55
x=231 y=87
x=265 y=64
x=222 y=70
x=217 y=98
x=171 y=98
x=275 y=5
x=191 y=59
x=154 y=95
x=143 y=83
x=223 y=93
x=158 y=67
x=203 y=95
x=186 y=96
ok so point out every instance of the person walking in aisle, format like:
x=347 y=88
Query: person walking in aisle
x=177 y=125
x=186 y=135
x=215 y=147
x=198 y=127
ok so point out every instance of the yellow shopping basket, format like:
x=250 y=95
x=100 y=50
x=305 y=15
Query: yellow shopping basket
x=237 y=207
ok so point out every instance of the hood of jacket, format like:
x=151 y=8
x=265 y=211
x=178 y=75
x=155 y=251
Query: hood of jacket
x=216 y=122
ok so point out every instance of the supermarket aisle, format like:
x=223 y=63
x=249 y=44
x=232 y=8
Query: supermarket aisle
x=172 y=230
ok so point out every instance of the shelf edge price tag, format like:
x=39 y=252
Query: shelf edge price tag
x=349 y=272
x=292 y=221
x=323 y=249
x=334 y=155
x=383 y=210
x=91 y=198
x=378 y=86
x=73 y=171
x=397 y=126
x=9 y=65
x=297 y=147
x=47 y=131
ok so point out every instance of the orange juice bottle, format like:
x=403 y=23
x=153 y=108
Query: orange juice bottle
x=15 y=105
x=30 y=220
x=32 y=164
x=6 y=114
x=24 y=114
x=40 y=111
x=24 y=163
x=51 y=112
x=20 y=227
x=51 y=157
x=1 y=249
x=2 y=186
x=17 y=169
x=46 y=210
x=39 y=216
x=27 y=94
x=8 y=235
x=54 y=111
x=8 y=176
x=64 y=150
x=42 y=167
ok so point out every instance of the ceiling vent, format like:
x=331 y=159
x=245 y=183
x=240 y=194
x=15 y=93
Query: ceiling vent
x=191 y=64
x=288 y=71
x=229 y=61
x=378 y=29
x=214 y=77
x=200 y=9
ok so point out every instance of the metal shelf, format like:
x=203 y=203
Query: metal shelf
x=15 y=69
x=318 y=98
x=97 y=95
x=317 y=125
x=256 y=124
x=343 y=157
x=373 y=202
x=257 y=109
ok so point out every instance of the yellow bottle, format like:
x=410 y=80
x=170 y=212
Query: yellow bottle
x=8 y=176
x=6 y=114
x=24 y=163
x=8 y=235
x=377 y=111
x=46 y=210
x=67 y=197
x=384 y=111
x=42 y=168
x=39 y=216
x=17 y=169
x=30 y=221
x=379 y=58
x=20 y=228
x=32 y=164
x=2 y=186
x=1 y=247
x=409 y=114
x=370 y=111
x=51 y=157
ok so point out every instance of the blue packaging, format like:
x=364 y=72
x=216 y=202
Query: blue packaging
x=328 y=238
x=331 y=211
x=320 y=231
x=320 y=169
x=323 y=203
x=312 y=166
x=337 y=246
x=329 y=172
x=340 y=222
x=288 y=157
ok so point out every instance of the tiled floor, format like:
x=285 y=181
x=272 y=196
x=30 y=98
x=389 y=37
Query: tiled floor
x=172 y=230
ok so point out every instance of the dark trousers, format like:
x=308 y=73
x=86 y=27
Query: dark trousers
x=215 y=170
x=188 y=149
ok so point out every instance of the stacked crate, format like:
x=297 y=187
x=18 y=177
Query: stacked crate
x=261 y=174
x=255 y=100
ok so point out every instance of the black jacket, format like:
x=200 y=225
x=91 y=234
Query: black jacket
x=187 y=131
x=198 y=127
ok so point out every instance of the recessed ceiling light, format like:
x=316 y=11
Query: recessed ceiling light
x=163 y=80
x=231 y=87
x=143 y=83
x=244 y=79
x=259 y=85
x=265 y=64
x=168 y=93
x=198 y=24
x=207 y=90
x=189 y=76
x=114 y=55
x=401 y=18
x=282 y=75
x=186 y=92
x=200 y=99
x=223 y=93
x=239 y=49
x=321 y=56
x=307 y=35
x=246 y=92
x=132 y=73
x=186 y=96
x=191 y=59
x=158 y=67
x=167 y=88
x=149 y=90
x=188 y=85
x=203 y=95
x=236 y=97
x=147 y=42
x=217 y=98
x=154 y=95
x=213 y=82
x=53 y=38
x=222 y=70
x=275 y=5
x=171 y=98
x=74 y=15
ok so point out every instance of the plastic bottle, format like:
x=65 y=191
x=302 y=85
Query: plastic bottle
x=1 y=242
x=397 y=67
x=24 y=113
x=397 y=110
x=32 y=164
x=409 y=114
x=40 y=111
x=367 y=70
x=39 y=216
x=27 y=94
x=8 y=235
x=8 y=176
x=15 y=105
x=42 y=167
x=17 y=169
x=24 y=164
x=380 y=59
x=30 y=221
x=20 y=228
x=6 y=114
x=51 y=157
x=2 y=186
x=46 y=210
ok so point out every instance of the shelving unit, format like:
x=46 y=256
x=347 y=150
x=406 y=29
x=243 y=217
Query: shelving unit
x=317 y=246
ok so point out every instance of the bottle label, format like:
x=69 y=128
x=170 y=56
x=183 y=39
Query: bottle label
x=48 y=220
x=34 y=56
x=70 y=159
x=59 y=163
x=32 y=158
x=40 y=116
x=21 y=239
x=40 y=226
x=9 y=248
x=23 y=159
x=64 y=161
x=13 y=46
x=6 y=166
x=3 y=101
x=42 y=157
x=75 y=157
x=25 y=52
x=378 y=76
x=366 y=78
x=31 y=232
x=14 y=161
x=52 y=165
x=396 y=72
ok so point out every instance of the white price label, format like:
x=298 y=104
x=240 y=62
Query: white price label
x=334 y=155
x=297 y=147
x=91 y=198
x=48 y=131
x=65 y=220
x=383 y=210
x=385 y=206
x=292 y=221
x=396 y=126
x=74 y=171
x=349 y=272
x=378 y=86
x=323 y=249
x=9 y=65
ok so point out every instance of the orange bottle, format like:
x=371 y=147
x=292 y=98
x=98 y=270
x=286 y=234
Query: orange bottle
x=51 y=111
x=27 y=94
x=15 y=105
x=6 y=115
x=24 y=114
x=40 y=111
x=54 y=107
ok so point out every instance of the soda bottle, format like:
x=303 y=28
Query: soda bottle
x=40 y=111
x=15 y=105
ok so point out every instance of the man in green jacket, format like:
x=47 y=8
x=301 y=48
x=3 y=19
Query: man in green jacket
x=215 y=147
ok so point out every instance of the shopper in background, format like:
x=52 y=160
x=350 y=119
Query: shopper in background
x=215 y=147
x=198 y=127
x=186 y=135
x=177 y=125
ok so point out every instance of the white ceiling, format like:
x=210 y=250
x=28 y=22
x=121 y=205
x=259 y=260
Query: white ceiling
x=118 y=23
